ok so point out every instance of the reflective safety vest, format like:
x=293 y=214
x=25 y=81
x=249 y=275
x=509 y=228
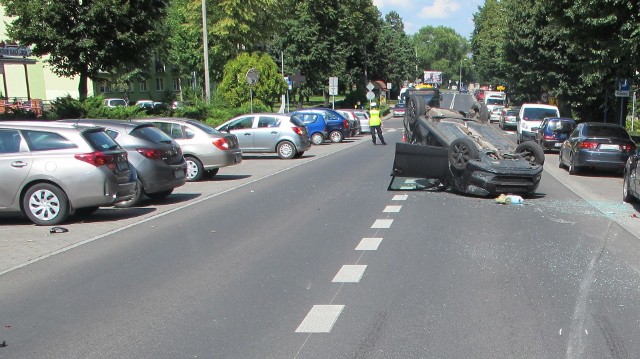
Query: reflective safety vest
x=375 y=117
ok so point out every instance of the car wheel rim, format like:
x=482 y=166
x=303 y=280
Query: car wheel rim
x=192 y=169
x=316 y=139
x=44 y=205
x=335 y=137
x=286 y=150
x=461 y=154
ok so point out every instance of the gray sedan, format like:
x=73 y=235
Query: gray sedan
x=205 y=149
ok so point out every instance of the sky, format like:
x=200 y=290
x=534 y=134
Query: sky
x=415 y=14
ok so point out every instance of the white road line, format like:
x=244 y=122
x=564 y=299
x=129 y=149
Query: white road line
x=320 y=319
x=382 y=223
x=400 y=197
x=369 y=244
x=349 y=274
x=392 y=209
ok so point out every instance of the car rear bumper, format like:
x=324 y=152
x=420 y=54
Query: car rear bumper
x=221 y=159
x=601 y=159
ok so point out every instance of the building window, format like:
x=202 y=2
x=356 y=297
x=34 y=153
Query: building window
x=160 y=84
x=143 y=86
x=130 y=86
x=176 y=84
x=104 y=86
x=159 y=67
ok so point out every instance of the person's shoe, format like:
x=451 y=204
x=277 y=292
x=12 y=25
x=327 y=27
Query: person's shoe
x=384 y=143
x=374 y=143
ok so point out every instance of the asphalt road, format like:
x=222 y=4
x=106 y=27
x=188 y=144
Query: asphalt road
x=316 y=259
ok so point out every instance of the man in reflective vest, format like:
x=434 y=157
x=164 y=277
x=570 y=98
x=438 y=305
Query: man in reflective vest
x=375 y=124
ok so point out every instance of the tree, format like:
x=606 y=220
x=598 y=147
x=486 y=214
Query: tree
x=234 y=91
x=440 y=49
x=488 y=42
x=85 y=38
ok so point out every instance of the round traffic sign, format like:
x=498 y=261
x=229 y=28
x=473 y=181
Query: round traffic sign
x=370 y=95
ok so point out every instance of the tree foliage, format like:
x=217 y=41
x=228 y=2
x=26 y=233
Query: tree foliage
x=85 y=38
x=441 y=49
x=234 y=91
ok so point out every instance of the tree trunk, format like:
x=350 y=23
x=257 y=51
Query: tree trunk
x=82 y=87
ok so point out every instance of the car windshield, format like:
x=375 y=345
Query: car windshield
x=606 y=131
x=512 y=113
x=533 y=114
x=561 y=126
x=151 y=133
x=203 y=127
x=495 y=101
x=118 y=102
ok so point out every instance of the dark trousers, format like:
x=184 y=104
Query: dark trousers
x=377 y=129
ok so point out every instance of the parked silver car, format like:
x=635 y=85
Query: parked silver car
x=205 y=149
x=51 y=170
x=156 y=157
x=283 y=134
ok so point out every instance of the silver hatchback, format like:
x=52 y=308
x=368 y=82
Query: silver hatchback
x=284 y=134
x=205 y=149
x=155 y=156
x=52 y=170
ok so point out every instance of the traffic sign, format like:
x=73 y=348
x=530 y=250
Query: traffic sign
x=333 y=86
x=623 y=87
x=252 y=76
x=370 y=87
x=370 y=95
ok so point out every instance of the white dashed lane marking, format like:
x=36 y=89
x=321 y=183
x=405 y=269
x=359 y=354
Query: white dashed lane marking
x=382 y=223
x=320 y=319
x=350 y=274
x=400 y=197
x=369 y=244
x=392 y=209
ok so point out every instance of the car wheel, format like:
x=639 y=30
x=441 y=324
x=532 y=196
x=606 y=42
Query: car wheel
x=336 y=136
x=415 y=108
x=86 y=211
x=532 y=152
x=299 y=154
x=560 y=163
x=573 y=169
x=317 y=139
x=137 y=196
x=160 y=195
x=195 y=170
x=211 y=173
x=286 y=150
x=626 y=195
x=45 y=204
x=461 y=151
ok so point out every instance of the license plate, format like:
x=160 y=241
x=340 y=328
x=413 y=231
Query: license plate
x=179 y=173
x=558 y=145
x=609 y=147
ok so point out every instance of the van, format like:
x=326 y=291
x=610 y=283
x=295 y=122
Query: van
x=530 y=117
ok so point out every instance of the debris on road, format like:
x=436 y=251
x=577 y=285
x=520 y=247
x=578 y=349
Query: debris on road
x=509 y=199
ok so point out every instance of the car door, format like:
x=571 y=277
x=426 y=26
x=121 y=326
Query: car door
x=242 y=127
x=15 y=165
x=567 y=146
x=420 y=161
x=267 y=133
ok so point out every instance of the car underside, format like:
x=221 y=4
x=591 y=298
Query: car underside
x=444 y=149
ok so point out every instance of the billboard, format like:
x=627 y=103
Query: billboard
x=433 y=77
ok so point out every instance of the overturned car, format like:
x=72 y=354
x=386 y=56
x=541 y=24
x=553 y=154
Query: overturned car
x=444 y=148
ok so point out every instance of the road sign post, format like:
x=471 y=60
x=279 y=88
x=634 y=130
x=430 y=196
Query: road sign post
x=333 y=90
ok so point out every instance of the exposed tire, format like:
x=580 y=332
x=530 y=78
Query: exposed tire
x=286 y=150
x=415 y=108
x=195 y=170
x=573 y=169
x=160 y=195
x=86 y=211
x=336 y=136
x=299 y=154
x=461 y=151
x=137 y=197
x=317 y=139
x=45 y=204
x=211 y=173
x=532 y=152
x=626 y=195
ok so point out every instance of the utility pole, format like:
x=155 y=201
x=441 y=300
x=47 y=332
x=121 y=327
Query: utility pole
x=205 y=45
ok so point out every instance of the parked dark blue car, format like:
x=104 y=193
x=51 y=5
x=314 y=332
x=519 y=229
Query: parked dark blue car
x=323 y=123
x=553 y=131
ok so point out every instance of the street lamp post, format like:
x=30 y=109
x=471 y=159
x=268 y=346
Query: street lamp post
x=460 y=82
x=205 y=45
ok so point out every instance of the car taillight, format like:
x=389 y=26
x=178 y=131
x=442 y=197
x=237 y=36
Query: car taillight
x=628 y=148
x=345 y=123
x=549 y=137
x=589 y=145
x=297 y=130
x=221 y=143
x=99 y=159
x=151 y=153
